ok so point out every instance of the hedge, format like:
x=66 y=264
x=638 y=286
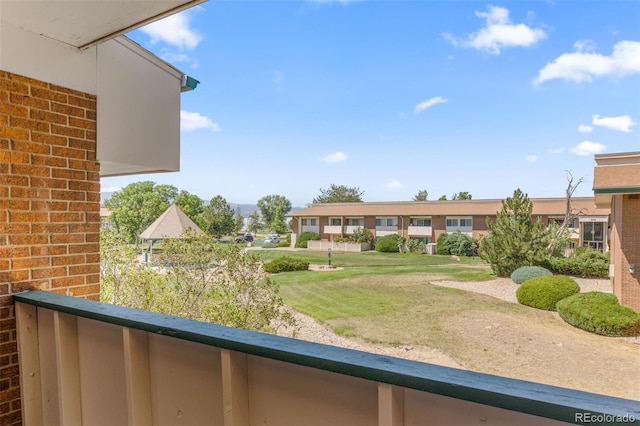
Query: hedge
x=388 y=243
x=585 y=262
x=545 y=292
x=301 y=242
x=524 y=273
x=285 y=264
x=599 y=313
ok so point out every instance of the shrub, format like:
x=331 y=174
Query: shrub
x=524 y=273
x=440 y=242
x=585 y=262
x=599 y=313
x=269 y=245
x=285 y=264
x=411 y=245
x=363 y=235
x=284 y=243
x=388 y=243
x=545 y=292
x=460 y=244
x=301 y=242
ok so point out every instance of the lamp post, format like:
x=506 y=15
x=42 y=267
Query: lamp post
x=329 y=256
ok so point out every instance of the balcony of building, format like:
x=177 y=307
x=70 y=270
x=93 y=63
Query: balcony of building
x=84 y=362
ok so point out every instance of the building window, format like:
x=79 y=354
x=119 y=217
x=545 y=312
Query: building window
x=452 y=223
x=459 y=222
x=355 y=222
x=335 y=221
x=309 y=222
x=468 y=223
x=387 y=222
x=421 y=222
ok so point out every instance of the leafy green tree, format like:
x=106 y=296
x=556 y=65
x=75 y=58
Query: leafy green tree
x=421 y=195
x=363 y=235
x=442 y=198
x=269 y=205
x=191 y=205
x=461 y=196
x=138 y=205
x=514 y=239
x=254 y=226
x=278 y=224
x=339 y=194
x=218 y=218
x=203 y=280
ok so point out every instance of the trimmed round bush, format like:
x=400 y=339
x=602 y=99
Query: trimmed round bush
x=301 y=242
x=585 y=262
x=524 y=273
x=388 y=243
x=285 y=264
x=545 y=292
x=599 y=313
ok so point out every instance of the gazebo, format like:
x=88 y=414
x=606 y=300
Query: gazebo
x=171 y=224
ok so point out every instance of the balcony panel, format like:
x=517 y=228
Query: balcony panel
x=310 y=228
x=350 y=229
x=178 y=371
x=419 y=231
x=332 y=229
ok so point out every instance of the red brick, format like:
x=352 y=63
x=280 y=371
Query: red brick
x=28 y=192
x=84 y=269
x=29 y=101
x=15 y=228
x=30 y=217
x=27 y=169
x=49 y=250
x=46 y=160
x=26 y=123
x=83 y=102
x=49 y=94
x=67 y=281
x=10 y=132
x=48 y=116
x=84 y=248
x=49 y=228
x=67 y=217
x=50 y=139
x=49 y=206
x=83 y=144
x=30 y=262
x=31 y=147
x=85 y=290
x=68 y=174
x=28 y=239
x=67 y=238
x=59 y=271
x=75 y=259
x=13 y=180
x=13 y=86
x=57 y=129
x=82 y=123
x=68 y=195
x=69 y=153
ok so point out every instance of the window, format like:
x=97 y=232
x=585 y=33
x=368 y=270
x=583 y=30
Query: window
x=459 y=222
x=335 y=221
x=309 y=222
x=387 y=222
x=466 y=223
x=355 y=222
x=421 y=222
x=452 y=223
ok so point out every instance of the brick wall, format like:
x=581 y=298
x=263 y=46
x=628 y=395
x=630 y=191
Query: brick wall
x=630 y=251
x=49 y=206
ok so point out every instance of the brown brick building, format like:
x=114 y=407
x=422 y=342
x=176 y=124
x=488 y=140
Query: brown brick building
x=77 y=102
x=616 y=185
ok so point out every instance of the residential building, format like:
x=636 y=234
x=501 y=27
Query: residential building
x=616 y=185
x=426 y=220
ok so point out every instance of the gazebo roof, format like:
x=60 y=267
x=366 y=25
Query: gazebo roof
x=171 y=224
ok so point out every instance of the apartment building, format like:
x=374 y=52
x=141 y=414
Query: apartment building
x=616 y=185
x=426 y=220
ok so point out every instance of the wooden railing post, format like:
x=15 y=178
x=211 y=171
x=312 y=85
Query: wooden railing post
x=390 y=405
x=137 y=376
x=235 y=388
x=29 y=354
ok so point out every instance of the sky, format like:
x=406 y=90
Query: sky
x=394 y=97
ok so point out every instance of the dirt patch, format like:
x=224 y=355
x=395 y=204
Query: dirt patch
x=542 y=348
x=324 y=267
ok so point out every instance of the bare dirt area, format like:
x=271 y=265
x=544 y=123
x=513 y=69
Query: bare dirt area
x=545 y=349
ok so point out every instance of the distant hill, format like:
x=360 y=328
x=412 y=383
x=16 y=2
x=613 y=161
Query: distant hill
x=245 y=210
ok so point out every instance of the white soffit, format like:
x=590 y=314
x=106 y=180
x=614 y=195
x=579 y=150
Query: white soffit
x=82 y=24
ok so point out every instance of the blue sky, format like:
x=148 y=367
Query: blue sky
x=398 y=96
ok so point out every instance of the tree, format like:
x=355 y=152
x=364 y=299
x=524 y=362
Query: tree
x=442 y=198
x=278 y=224
x=269 y=204
x=138 y=205
x=339 y=194
x=461 y=196
x=514 y=239
x=560 y=237
x=190 y=204
x=218 y=218
x=254 y=225
x=421 y=195
x=202 y=280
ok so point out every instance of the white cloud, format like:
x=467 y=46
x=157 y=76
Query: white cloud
x=428 y=104
x=584 y=46
x=174 y=30
x=498 y=33
x=556 y=150
x=336 y=157
x=588 y=148
x=394 y=184
x=582 y=66
x=190 y=121
x=623 y=123
x=583 y=128
x=531 y=158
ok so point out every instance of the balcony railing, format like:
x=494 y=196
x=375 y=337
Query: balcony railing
x=310 y=228
x=419 y=231
x=333 y=229
x=84 y=362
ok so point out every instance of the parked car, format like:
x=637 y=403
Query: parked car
x=244 y=239
x=272 y=238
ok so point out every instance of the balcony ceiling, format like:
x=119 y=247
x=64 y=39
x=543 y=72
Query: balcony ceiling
x=82 y=24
